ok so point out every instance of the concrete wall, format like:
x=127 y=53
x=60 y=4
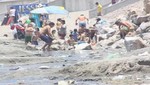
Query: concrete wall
x=58 y=3
x=106 y=10
x=80 y=5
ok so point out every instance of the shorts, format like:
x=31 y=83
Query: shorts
x=46 y=39
x=28 y=39
x=82 y=24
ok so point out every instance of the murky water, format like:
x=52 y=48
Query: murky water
x=69 y=57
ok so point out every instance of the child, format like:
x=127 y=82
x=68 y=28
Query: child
x=53 y=34
x=75 y=35
x=71 y=41
x=35 y=37
x=28 y=33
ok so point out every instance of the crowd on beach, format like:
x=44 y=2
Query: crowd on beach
x=26 y=29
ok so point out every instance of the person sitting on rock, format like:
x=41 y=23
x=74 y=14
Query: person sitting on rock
x=124 y=28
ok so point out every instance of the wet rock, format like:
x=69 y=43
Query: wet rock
x=44 y=67
x=83 y=46
x=134 y=43
x=69 y=82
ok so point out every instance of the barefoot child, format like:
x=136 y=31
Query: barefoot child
x=28 y=33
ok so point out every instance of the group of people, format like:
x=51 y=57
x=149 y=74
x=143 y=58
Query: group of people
x=28 y=31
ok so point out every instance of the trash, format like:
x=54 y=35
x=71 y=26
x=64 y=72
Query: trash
x=119 y=77
x=69 y=82
x=44 y=67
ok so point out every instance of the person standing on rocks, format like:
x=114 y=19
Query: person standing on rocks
x=82 y=21
x=46 y=36
x=124 y=28
x=99 y=9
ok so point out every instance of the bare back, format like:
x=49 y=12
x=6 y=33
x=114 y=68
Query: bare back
x=46 y=30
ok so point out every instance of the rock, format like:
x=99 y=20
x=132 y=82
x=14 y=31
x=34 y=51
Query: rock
x=55 y=47
x=107 y=42
x=5 y=35
x=144 y=54
x=69 y=82
x=146 y=36
x=144 y=27
x=118 y=44
x=144 y=62
x=31 y=47
x=83 y=46
x=56 y=42
x=134 y=43
x=147 y=6
x=44 y=67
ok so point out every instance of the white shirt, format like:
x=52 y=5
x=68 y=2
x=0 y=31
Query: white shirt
x=12 y=12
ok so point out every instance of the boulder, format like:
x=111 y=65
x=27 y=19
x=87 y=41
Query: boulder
x=144 y=27
x=118 y=44
x=83 y=46
x=134 y=43
x=146 y=36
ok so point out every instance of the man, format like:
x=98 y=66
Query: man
x=99 y=9
x=82 y=23
x=124 y=28
x=45 y=35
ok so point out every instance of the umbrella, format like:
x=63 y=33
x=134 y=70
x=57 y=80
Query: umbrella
x=50 y=10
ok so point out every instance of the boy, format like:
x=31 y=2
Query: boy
x=28 y=33
x=35 y=37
